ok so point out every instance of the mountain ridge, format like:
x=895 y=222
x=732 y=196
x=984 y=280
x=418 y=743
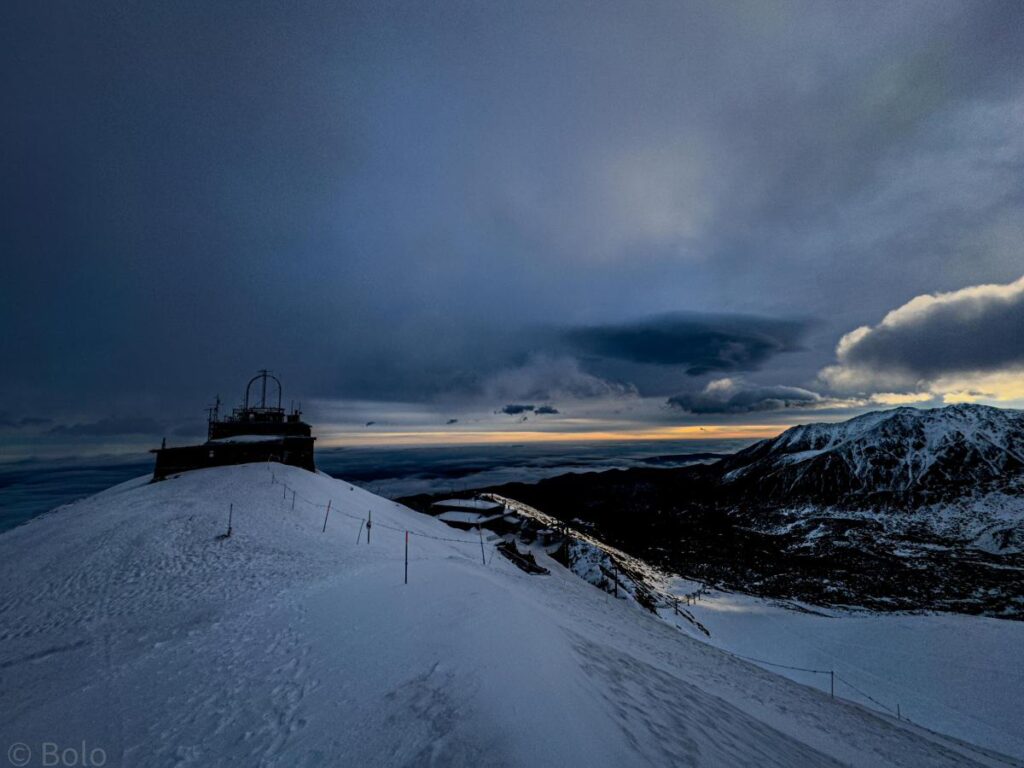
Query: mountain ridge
x=904 y=509
x=904 y=455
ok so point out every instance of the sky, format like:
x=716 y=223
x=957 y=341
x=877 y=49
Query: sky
x=467 y=222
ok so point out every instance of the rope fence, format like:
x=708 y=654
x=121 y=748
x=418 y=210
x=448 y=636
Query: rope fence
x=368 y=524
x=297 y=496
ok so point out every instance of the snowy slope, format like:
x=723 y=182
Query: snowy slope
x=955 y=674
x=938 y=452
x=125 y=622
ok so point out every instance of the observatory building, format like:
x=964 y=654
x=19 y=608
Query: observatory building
x=250 y=433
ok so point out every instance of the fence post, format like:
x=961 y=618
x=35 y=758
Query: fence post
x=284 y=492
x=483 y=557
x=231 y=509
x=293 y=501
x=325 y=516
x=369 y=524
x=832 y=680
x=359 y=535
x=406 y=557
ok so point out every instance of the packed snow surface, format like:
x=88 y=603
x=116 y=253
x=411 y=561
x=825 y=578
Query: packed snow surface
x=128 y=622
x=960 y=675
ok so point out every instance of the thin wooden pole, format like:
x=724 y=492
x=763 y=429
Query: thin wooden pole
x=832 y=679
x=483 y=557
x=231 y=510
x=293 y=501
x=325 y=516
x=359 y=535
x=369 y=524
x=406 y=557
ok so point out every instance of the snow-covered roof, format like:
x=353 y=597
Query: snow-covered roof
x=484 y=504
x=248 y=439
x=475 y=518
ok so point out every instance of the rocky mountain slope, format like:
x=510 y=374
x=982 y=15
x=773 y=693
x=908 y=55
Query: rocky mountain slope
x=905 y=456
x=900 y=509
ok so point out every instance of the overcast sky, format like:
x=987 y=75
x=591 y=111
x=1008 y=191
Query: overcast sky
x=464 y=220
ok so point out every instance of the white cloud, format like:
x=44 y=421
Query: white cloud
x=962 y=344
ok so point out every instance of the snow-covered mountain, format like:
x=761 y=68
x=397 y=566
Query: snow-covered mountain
x=131 y=624
x=901 y=456
x=895 y=510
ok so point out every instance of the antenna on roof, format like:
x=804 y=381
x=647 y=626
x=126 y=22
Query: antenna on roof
x=262 y=377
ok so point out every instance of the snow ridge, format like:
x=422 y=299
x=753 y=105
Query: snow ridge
x=904 y=450
x=130 y=622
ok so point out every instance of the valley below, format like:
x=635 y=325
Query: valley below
x=901 y=510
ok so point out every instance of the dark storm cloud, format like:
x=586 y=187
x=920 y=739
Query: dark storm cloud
x=111 y=426
x=382 y=202
x=974 y=330
x=34 y=421
x=730 y=398
x=11 y=422
x=190 y=429
x=545 y=410
x=700 y=344
x=514 y=409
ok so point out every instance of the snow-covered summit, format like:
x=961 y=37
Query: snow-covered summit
x=931 y=452
x=129 y=622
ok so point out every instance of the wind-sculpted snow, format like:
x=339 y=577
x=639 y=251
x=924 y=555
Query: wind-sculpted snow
x=129 y=622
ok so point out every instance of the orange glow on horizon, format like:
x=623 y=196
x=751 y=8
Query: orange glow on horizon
x=433 y=437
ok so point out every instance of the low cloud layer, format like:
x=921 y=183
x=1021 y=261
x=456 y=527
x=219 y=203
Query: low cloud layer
x=7 y=421
x=965 y=341
x=698 y=343
x=517 y=409
x=724 y=396
x=112 y=426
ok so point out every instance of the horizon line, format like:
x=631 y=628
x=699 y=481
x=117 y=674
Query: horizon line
x=498 y=437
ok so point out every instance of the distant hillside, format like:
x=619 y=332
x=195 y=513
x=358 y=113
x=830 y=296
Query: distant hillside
x=906 y=455
x=899 y=509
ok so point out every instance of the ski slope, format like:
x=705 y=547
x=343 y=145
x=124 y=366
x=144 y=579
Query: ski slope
x=127 y=623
